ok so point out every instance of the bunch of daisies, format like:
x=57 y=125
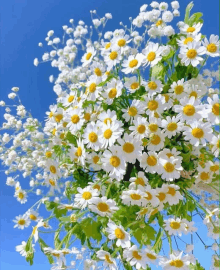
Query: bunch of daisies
x=128 y=154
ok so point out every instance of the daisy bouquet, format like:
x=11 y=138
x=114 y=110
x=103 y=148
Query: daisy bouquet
x=128 y=155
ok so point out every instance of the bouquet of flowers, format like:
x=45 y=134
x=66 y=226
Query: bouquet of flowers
x=128 y=155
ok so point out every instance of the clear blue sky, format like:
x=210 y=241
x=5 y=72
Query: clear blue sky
x=25 y=23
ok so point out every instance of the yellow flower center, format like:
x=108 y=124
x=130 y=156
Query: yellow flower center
x=166 y=97
x=187 y=40
x=119 y=234
x=171 y=191
x=108 y=134
x=198 y=133
x=151 y=56
x=52 y=182
x=58 y=117
x=136 y=255
x=217 y=263
x=92 y=87
x=192 y=53
x=88 y=56
x=132 y=111
x=98 y=72
x=141 y=129
x=32 y=217
x=214 y=168
x=204 y=176
x=70 y=98
x=215 y=109
x=93 y=137
x=153 y=127
x=175 y=225
x=95 y=159
x=135 y=196
x=121 y=42
x=154 y=212
x=216 y=230
x=107 y=258
x=161 y=196
x=172 y=126
x=103 y=207
x=133 y=63
x=113 y=55
x=159 y=23
x=156 y=140
x=151 y=256
x=139 y=181
x=78 y=152
x=152 y=105
x=128 y=147
x=177 y=263
x=193 y=94
x=87 y=116
x=151 y=161
x=178 y=89
x=53 y=169
x=51 y=114
x=112 y=93
x=149 y=196
x=106 y=120
x=115 y=161
x=75 y=119
x=169 y=167
x=134 y=85
x=212 y=48
x=48 y=154
x=191 y=29
x=21 y=222
x=189 y=110
x=87 y=195
x=107 y=46
x=152 y=85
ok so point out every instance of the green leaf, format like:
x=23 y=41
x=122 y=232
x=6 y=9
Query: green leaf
x=195 y=18
x=92 y=228
x=197 y=266
x=158 y=242
x=187 y=14
x=42 y=246
x=159 y=71
x=30 y=251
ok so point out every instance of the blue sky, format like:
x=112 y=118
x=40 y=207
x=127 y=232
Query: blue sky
x=25 y=23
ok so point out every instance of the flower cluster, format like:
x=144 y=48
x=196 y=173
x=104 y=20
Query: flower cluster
x=129 y=152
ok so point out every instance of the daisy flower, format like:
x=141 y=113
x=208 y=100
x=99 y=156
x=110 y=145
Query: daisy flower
x=92 y=90
x=21 y=222
x=183 y=41
x=140 y=179
x=109 y=115
x=113 y=90
x=191 y=30
x=135 y=257
x=133 y=111
x=22 y=248
x=58 y=115
x=108 y=260
x=35 y=230
x=150 y=196
x=52 y=184
x=174 y=226
x=120 y=43
x=150 y=255
x=194 y=91
x=132 y=197
x=189 y=110
x=198 y=133
x=156 y=141
x=173 y=194
x=189 y=226
x=118 y=232
x=130 y=148
x=33 y=215
x=154 y=86
x=214 y=166
x=170 y=168
x=153 y=125
x=114 y=163
x=212 y=46
x=152 y=54
x=132 y=84
x=75 y=119
x=213 y=109
x=213 y=231
x=84 y=197
x=103 y=206
x=168 y=153
x=91 y=136
x=176 y=261
x=178 y=89
x=78 y=153
x=215 y=144
x=69 y=99
x=112 y=58
x=204 y=175
x=132 y=63
x=149 y=161
x=21 y=195
x=139 y=130
x=154 y=105
x=191 y=54
x=172 y=126
x=53 y=169
x=109 y=133
x=98 y=70
x=162 y=194
x=88 y=56
x=95 y=160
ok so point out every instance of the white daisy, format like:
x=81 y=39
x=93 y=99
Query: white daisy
x=154 y=86
x=132 y=84
x=91 y=136
x=152 y=54
x=88 y=56
x=191 y=30
x=133 y=111
x=132 y=197
x=103 y=206
x=21 y=222
x=75 y=119
x=78 y=153
x=140 y=179
x=172 y=126
x=108 y=260
x=112 y=58
x=213 y=109
x=156 y=141
x=109 y=133
x=132 y=63
x=135 y=257
x=149 y=161
x=178 y=89
x=21 y=195
x=154 y=105
x=174 y=226
x=212 y=46
x=170 y=168
x=139 y=130
x=92 y=90
x=84 y=197
x=113 y=90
